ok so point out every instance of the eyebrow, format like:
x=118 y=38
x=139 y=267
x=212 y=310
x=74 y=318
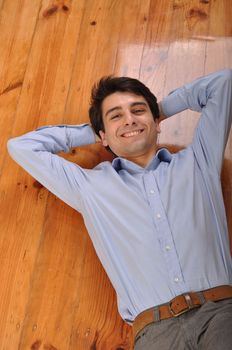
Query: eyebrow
x=131 y=105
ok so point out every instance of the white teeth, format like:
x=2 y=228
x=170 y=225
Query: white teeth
x=132 y=133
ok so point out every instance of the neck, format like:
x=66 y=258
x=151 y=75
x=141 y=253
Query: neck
x=142 y=160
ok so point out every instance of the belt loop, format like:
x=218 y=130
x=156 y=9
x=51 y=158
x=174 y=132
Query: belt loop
x=201 y=297
x=156 y=314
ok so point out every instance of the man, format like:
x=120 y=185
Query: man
x=156 y=219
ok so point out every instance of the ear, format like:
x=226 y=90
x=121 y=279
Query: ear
x=157 y=126
x=103 y=138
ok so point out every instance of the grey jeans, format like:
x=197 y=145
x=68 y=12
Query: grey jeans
x=206 y=328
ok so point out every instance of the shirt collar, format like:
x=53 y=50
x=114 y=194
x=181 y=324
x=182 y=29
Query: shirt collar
x=162 y=155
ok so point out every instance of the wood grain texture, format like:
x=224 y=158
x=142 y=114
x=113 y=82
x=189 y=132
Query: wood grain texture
x=17 y=23
x=55 y=294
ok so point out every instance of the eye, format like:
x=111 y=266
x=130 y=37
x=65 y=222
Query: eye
x=115 y=117
x=138 y=111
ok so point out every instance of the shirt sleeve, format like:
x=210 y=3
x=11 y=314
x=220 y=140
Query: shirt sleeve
x=36 y=153
x=212 y=96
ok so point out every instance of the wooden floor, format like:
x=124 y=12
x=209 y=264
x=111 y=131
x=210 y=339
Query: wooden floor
x=54 y=293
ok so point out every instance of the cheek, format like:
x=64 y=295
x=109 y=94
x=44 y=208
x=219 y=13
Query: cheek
x=107 y=137
x=110 y=133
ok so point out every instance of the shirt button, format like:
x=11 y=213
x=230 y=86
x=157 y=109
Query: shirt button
x=152 y=191
x=176 y=279
x=158 y=216
x=167 y=247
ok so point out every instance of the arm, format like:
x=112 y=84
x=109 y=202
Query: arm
x=36 y=153
x=212 y=96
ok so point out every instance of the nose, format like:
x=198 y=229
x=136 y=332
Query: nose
x=129 y=118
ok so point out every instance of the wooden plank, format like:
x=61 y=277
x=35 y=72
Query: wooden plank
x=1 y=3
x=17 y=23
x=132 y=38
x=156 y=47
x=19 y=242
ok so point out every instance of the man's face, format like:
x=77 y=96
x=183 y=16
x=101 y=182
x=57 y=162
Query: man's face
x=130 y=129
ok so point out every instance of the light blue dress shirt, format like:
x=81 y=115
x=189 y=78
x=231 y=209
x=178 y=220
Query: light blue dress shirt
x=159 y=231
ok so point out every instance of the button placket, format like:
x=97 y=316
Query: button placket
x=163 y=231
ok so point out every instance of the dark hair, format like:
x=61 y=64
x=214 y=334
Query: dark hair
x=109 y=85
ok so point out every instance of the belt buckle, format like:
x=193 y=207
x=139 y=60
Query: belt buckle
x=189 y=306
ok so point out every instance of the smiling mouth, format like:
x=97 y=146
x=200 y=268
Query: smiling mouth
x=132 y=133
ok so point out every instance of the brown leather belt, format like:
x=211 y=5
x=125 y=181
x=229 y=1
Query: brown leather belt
x=179 y=305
